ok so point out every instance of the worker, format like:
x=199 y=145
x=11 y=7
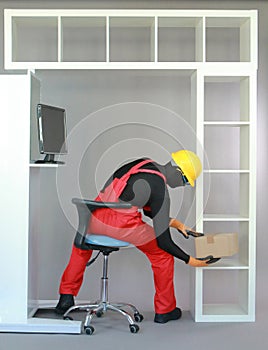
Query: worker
x=143 y=183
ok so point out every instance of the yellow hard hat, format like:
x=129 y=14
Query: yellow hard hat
x=189 y=163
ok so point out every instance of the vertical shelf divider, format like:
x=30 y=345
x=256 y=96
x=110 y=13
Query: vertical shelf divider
x=199 y=187
x=200 y=147
x=252 y=195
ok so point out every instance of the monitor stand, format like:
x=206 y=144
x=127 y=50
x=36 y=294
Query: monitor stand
x=49 y=159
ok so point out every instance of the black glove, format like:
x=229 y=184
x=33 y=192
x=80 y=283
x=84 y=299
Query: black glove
x=192 y=233
x=210 y=258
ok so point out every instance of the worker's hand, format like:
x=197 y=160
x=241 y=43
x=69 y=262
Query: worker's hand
x=180 y=227
x=184 y=230
x=202 y=262
x=197 y=263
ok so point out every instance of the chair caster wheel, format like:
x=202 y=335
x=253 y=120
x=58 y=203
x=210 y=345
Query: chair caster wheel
x=68 y=318
x=89 y=330
x=99 y=313
x=138 y=317
x=134 y=328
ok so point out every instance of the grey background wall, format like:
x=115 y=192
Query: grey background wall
x=104 y=103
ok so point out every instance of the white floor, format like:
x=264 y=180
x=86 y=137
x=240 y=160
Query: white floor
x=112 y=332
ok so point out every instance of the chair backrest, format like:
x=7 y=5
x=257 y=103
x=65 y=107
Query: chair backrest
x=85 y=208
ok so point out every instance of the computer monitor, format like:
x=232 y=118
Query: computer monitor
x=51 y=132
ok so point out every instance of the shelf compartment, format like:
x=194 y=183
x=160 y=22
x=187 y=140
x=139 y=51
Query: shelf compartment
x=226 y=194
x=36 y=39
x=83 y=39
x=224 y=313
x=225 y=292
x=241 y=259
x=226 y=99
x=227 y=39
x=227 y=146
x=132 y=39
x=180 y=39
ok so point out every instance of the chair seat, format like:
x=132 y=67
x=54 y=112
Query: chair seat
x=105 y=241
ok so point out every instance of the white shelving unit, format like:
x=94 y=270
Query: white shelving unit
x=145 y=39
x=231 y=168
x=219 y=47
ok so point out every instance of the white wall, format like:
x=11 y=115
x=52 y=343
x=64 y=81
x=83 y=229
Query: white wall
x=83 y=94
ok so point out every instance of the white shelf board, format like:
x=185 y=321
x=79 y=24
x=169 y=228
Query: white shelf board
x=231 y=67
x=223 y=217
x=229 y=123
x=131 y=12
x=227 y=264
x=34 y=165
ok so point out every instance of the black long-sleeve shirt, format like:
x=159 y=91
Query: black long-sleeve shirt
x=145 y=189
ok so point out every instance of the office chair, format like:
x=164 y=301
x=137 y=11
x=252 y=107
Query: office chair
x=105 y=245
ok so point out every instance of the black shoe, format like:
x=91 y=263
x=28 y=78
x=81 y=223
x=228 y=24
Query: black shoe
x=169 y=316
x=65 y=302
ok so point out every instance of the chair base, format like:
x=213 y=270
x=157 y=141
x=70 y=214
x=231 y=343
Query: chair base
x=99 y=308
x=103 y=305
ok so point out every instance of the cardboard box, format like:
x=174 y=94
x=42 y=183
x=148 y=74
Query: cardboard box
x=218 y=245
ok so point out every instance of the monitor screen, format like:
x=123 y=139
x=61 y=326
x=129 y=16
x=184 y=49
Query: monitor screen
x=52 y=129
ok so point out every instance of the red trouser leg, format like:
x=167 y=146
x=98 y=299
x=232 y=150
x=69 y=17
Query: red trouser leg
x=72 y=277
x=163 y=270
x=162 y=265
x=143 y=237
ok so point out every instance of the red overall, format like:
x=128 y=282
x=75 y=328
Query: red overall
x=126 y=225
